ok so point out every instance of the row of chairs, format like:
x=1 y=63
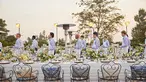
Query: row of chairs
x=78 y=72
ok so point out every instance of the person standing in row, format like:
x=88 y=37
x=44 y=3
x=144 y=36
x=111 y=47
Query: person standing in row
x=51 y=42
x=96 y=42
x=105 y=45
x=125 y=43
x=34 y=45
x=145 y=46
x=18 y=45
x=83 y=42
x=1 y=46
x=78 y=46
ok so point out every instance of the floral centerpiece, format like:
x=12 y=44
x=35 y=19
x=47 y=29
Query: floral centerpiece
x=69 y=57
x=92 y=54
x=59 y=50
x=6 y=53
x=43 y=55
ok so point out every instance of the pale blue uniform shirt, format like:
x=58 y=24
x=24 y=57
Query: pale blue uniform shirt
x=145 y=48
x=83 y=44
x=96 y=44
x=51 y=43
x=19 y=44
x=78 y=45
x=125 y=42
x=145 y=43
x=34 y=44
x=106 y=44
x=1 y=46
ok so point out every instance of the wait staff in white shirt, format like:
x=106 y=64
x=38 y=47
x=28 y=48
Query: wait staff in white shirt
x=52 y=45
x=96 y=42
x=1 y=46
x=18 y=44
x=78 y=45
x=105 y=45
x=83 y=42
x=125 y=43
x=145 y=46
x=34 y=43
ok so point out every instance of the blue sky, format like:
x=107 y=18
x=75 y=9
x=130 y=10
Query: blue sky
x=38 y=15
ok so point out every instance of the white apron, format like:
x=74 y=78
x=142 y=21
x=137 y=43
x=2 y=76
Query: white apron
x=105 y=49
x=125 y=50
x=78 y=53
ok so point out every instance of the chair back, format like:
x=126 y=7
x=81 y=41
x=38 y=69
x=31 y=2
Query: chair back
x=1 y=71
x=51 y=71
x=138 y=70
x=80 y=70
x=22 y=70
x=111 y=70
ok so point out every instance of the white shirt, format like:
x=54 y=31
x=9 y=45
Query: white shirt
x=1 y=45
x=145 y=43
x=51 y=43
x=78 y=44
x=96 y=43
x=34 y=44
x=83 y=44
x=106 y=44
x=18 y=44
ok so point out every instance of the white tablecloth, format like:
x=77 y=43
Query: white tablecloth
x=66 y=67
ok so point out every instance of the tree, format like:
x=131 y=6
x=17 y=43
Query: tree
x=140 y=28
x=104 y=16
x=42 y=39
x=8 y=41
x=3 y=30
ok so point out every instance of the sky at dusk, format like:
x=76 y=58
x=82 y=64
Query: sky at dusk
x=38 y=15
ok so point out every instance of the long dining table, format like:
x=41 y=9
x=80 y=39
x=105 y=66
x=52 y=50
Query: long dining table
x=95 y=65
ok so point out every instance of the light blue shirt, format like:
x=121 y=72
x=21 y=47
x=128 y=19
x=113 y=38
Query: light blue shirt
x=125 y=42
x=145 y=43
x=78 y=44
x=96 y=44
x=34 y=44
x=19 y=44
x=83 y=44
x=106 y=44
x=1 y=45
x=52 y=45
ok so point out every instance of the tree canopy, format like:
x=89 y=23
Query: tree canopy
x=104 y=16
x=3 y=29
x=140 y=28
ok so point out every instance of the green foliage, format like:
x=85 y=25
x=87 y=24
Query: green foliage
x=45 y=57
x=42 y=39
x=61 y=42
x=8 y=41
x=4 y=38
x=8 y=54
x=91 y=53
x=41 y=42
x=3 y=30
x=103 y=14
x=59 y=49
x=140 y=28
x=69 y=56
